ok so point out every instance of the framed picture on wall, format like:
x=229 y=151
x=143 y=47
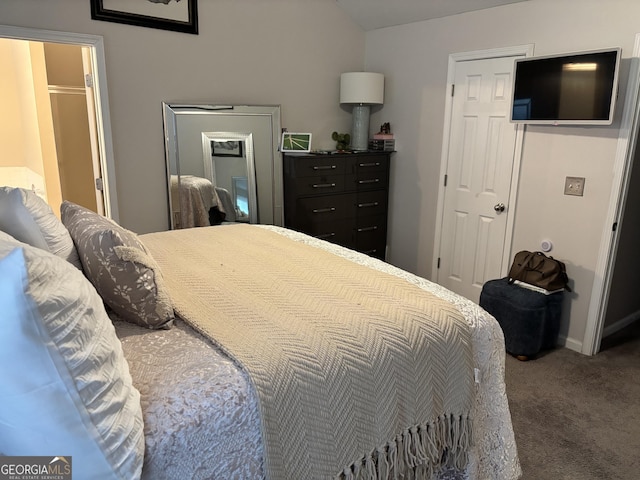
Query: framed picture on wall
x=176 y=15
x=230 y=148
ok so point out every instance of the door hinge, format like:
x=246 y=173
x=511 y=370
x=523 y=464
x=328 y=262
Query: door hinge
x=438 y=266
x=453 y=89
x=615 y=226
x=99 y=184
x=445 y=179
x=88 y=80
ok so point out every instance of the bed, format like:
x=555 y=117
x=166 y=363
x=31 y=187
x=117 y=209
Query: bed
x=196 y=202
x=202 y=399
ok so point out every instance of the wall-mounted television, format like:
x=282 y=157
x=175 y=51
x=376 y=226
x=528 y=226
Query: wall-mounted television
x=571 y=89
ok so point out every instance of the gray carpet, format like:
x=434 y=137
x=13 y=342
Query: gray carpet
x=577 y=417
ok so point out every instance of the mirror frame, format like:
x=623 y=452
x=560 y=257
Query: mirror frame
x=209 y=167
x=170 y=112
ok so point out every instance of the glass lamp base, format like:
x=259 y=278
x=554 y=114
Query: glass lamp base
x=360 y=130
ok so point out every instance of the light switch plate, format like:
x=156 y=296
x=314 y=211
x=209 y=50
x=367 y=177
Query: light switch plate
x=574 y=186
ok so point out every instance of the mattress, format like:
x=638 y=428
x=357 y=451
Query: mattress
x=201 y=413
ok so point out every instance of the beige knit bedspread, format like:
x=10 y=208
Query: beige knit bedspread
x=359 y=374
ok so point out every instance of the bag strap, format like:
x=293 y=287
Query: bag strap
x=541 y=257
x=524 y=264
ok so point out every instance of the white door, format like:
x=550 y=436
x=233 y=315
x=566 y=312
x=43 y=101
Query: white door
x=478 y=177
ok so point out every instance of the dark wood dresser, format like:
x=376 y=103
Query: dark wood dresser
x=339 y=197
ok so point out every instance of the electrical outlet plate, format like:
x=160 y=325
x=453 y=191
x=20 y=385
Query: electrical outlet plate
x=574 y=186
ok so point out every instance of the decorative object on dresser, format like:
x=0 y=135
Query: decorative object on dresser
x=383 y=140
x=340 y=197
x=295 y=142
x=343 y=141
x=362 y=89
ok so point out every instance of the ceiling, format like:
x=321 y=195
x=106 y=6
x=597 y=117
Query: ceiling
x=373 y=14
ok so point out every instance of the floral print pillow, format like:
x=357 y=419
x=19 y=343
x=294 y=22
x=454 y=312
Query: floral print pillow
x=119 y=267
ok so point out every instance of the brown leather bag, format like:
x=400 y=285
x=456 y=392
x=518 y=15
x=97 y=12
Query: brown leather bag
x=535 y=268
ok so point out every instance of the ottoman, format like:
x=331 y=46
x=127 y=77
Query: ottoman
x=529 y=319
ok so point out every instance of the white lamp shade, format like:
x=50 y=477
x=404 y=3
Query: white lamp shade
x=364 y=88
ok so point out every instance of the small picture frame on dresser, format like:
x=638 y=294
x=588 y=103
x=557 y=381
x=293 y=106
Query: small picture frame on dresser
x=295 y=142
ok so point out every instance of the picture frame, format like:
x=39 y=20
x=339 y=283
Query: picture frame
x=228 y=148
x=293 y=142
x=178 y=16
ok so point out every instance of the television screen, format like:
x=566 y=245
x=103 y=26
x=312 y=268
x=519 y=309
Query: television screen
x=572 y=89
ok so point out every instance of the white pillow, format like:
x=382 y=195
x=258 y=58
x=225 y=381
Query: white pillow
x=65 y=387
x=28 y=218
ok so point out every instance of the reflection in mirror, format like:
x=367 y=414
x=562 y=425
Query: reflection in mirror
x=223 y=164
x=229 y=166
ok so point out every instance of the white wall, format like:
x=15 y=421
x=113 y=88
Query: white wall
x=262 y=52
x=414 y=60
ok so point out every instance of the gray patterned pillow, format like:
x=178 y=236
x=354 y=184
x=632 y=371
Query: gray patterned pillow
x=126 y=277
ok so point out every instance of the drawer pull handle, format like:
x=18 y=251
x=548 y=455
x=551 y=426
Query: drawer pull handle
x=323 y=185
x=326 y=235
x=366 y=205
x=373 y=180
x=324 y=167
x=324 y=210
x=371 y=164
x=368 y=229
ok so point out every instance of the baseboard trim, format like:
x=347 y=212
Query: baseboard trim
x=570 y=343
x=620 y=324
x=575 y=345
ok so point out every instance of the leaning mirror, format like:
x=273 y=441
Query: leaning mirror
x=223 y=164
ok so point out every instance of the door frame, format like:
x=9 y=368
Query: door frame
x=95 y=44
x=627 y=141
x=87 y=68
x=454 y=58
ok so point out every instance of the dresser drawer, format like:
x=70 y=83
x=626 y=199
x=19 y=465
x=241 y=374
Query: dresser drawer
x=373 y=246
x=339 y=231
x=371 y=203
x=371 y=235
x=367 y=180
x=371 y=225
x=325 y=208
x=316 y=166
x=368 y=163
x=321 y=184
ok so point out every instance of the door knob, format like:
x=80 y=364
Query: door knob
x=499 y=207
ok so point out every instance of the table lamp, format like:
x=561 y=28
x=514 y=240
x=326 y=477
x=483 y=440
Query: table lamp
x=361 y=89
